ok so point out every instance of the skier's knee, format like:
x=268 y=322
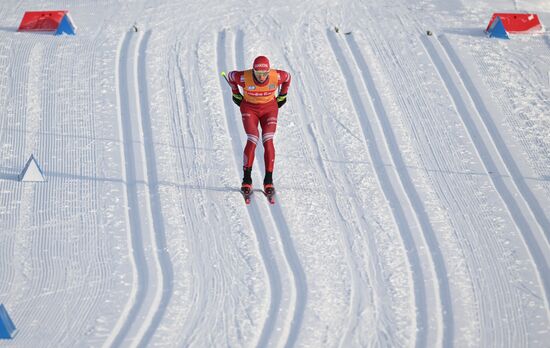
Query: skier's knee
x=267 y=137
x=252 y=138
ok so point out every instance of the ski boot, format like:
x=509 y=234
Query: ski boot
x=246 y=186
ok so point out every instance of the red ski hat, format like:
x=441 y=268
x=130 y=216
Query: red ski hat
x=261 y=63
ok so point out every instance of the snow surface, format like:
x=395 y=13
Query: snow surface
x=413 y=177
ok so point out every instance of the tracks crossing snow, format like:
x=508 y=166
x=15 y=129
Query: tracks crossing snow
x=498 y=162
x=432 y=293
x=287 y=303
x=151 y=265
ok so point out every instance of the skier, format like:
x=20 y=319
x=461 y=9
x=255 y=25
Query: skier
x=259 y=104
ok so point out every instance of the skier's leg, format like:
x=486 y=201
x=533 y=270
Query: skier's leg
x=269 y=126
x=250 y=123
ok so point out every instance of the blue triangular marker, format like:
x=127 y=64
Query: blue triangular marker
x=7 y=329
x=66 y=26
x=497 y=29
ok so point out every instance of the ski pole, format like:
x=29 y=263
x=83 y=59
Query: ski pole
x=225 y=77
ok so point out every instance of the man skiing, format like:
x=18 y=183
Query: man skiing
x=259 y=104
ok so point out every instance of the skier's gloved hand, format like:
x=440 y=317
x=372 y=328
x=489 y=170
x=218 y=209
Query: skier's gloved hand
x=237 y=98
x=281 y=100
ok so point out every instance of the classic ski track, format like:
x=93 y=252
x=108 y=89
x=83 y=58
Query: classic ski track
x=359 y=281
x=298 y=275
x=406 y=203
x=429 y=234
x=538 y=161
x=451 y=193
x=179 y=97
x=256 y=221
x=493 y=153
x=209 y=291
x=147 y=302
x=485 y=108
x=153 y=193
x=285 y=241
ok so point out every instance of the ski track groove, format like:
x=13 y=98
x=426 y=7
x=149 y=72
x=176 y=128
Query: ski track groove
x=140 y=274
x=202 y=297
x=360 y=280
x=500 y=165
x=256 y=221
x=502 y=291
x=154 y=194
x=483 y=108
x=290 y=256
x=428 y=231
x=358 y=285
x=410 y=201
x=400 y=72
x=180 y=103
x=300 y=283
x=144 y=217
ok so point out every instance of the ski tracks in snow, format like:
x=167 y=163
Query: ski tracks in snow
x=287 y=282
x=506 y=177
x=152 y=268
x=431 y=283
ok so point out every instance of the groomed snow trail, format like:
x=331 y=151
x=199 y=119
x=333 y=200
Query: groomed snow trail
x=289 y=294
x=412 y=177
x=327 y=142
x=57 y=232
x=405 y=199
x=496 y=158
x=285 y=242
x=144 y=215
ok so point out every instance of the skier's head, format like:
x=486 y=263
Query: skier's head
x=261 y=68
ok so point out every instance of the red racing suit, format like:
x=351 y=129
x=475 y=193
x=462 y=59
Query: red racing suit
x=259 y=105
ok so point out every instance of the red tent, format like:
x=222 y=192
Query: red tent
x=41 y=20
x=518 y=23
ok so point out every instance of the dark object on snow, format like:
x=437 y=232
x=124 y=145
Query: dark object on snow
x=336 y=29
x=348 y=33
x=135 y=28
x=429 y=33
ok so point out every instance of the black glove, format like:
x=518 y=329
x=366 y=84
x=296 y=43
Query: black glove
x=281 y=100
x=237 y=99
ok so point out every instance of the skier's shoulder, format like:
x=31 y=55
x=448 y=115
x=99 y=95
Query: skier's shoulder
x=284 y=76
x=236 y=76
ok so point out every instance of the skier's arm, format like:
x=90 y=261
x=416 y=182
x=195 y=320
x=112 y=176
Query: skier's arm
x=234 y=78
x=284 y=81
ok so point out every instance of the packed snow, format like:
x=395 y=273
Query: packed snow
x=412 y=177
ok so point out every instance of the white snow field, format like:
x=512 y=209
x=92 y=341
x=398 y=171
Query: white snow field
x=413 y=177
